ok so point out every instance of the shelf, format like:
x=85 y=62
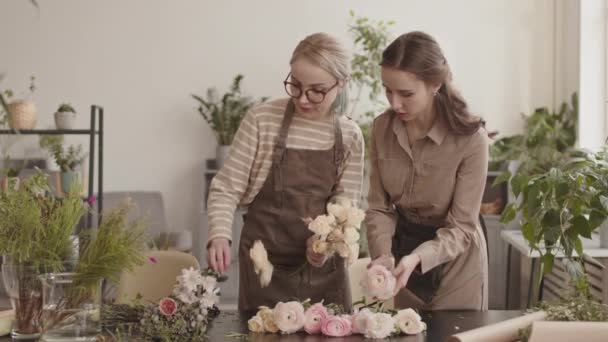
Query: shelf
x=47 y=131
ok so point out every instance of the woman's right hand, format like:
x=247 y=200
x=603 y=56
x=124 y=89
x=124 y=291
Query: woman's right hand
x=218 y=255
x=387 y=261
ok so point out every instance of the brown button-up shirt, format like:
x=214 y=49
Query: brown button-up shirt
x=439 y=181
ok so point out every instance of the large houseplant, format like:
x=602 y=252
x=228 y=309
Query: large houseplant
x=224 y=114
x=561 y=192
x=37 y=237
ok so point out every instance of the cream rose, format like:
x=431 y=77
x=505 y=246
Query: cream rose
x=379 y=283
x=351 y=235
x=255 y=324
x=379 y=325
x=262 y=266
x=354 y=217
x=322 y=224
x=267 y=316
x=289 y=317
x=409 y=322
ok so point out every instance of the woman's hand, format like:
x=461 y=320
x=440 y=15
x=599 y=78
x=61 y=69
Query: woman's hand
x=315 y=259
x=404 y=270
x=218 y=255
x=387 y=261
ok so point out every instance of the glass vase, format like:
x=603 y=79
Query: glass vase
x=25 y=293
x=69 y=312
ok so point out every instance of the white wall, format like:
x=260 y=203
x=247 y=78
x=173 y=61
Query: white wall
x=141 y=60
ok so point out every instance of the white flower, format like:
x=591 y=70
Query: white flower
x=338 y=211
x=409 y=322
x=208 y=282
x=343 y=201
x=322 y=224
x=360 y=321
x=187 y=297
x=379 y=325
x=267 y=316
x=209 y=299
x=351 y=235
x=262 y=266
x=190 y=278
x=354 y=217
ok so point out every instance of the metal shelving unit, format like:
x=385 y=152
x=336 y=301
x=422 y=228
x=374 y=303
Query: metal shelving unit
x=95 y=129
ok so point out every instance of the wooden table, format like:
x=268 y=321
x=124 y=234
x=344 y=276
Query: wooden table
x=441 y=324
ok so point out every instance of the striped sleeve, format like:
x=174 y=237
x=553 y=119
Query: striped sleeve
x=231 y=182
x=351 y=177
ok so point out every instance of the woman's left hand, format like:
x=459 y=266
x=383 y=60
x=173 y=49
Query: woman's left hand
x=404 y=270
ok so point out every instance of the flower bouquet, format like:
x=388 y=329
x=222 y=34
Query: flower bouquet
x=182 y=316
x=370 y=320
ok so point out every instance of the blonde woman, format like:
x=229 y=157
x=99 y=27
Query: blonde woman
x=288 y=159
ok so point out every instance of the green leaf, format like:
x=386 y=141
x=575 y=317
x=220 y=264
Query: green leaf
x=581 y=226
x=508 y=214
x=528 y=231
x=503 y=177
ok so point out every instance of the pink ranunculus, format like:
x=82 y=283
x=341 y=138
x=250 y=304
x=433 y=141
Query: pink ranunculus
x=152 y=260
x=359 y=320
x=337 y=326
x=167 y=306
x=289 y=317
x=314 y=317
x=92 y=200
x=379 y=283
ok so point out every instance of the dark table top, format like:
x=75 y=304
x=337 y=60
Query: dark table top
x=440 y=325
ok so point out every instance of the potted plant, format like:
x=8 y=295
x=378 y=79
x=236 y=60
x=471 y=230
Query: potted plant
x=37 y=242
x=45 y=142
x=65 y=116
x=224 y=114
x=22 y=113
x=68 y=160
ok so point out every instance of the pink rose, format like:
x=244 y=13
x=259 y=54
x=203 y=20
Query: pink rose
x=289 y=317
x=337 y=326
x=167 y=306
x=360 y=320
x=379 y=283
x=314 y=317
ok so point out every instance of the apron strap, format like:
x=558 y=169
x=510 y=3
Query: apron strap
x=280 y=145
x=338 y=145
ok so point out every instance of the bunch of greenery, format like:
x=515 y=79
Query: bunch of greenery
x=224 y=115
x=562 y=192
x=67 y=159
x=575 y=307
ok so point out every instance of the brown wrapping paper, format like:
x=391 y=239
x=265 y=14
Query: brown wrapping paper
x=545 y=331
x=505 y=331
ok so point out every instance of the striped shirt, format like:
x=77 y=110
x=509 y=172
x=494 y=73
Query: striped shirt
x=250 y=159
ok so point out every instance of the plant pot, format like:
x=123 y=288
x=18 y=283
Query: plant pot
x=221 y=154
x=65 y=120
x=71 y=313
x=51 y=164
x=25 y=293
x=22 y=115
x=68 y=178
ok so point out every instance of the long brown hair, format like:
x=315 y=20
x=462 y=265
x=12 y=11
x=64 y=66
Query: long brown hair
x=419 y=53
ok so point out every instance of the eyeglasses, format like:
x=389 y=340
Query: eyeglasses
x=314 y=96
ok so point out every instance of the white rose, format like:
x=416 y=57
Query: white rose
x=322 y=224
x=354 y=217
x=267 y=316
x=256 y=324
x=360 y=321
x=338 y=211
x=261 y=265
x=379 y=325
x=343 y=201
x=351 y=235
x=409 y=322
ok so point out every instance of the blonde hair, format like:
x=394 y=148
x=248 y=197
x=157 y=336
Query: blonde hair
x=327 y=53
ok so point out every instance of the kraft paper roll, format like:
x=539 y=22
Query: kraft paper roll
x=505 y=331
x=546 y=331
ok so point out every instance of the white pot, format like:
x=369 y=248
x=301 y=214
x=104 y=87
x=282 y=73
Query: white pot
x=65 y=120
x=51 y=164
x=221 y=154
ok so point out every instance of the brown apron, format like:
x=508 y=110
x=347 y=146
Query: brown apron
x=298 y=186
